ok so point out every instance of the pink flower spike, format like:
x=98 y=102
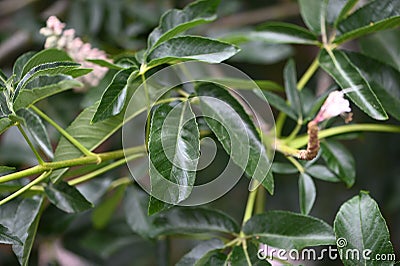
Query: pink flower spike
x=333 y=106
x=55 y=24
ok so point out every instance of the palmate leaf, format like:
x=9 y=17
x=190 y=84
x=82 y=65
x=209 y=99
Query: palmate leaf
x=289 y=230
x=174 y=149
x=89 y=135
x=67 y=198
x=135 y=204
x=113 y=98
x=4 y=110
x=199 y=251
x=37 y=130
x=21 y=217
x=238 y=256
x=374 y=16
x=307 y=193
x=176 y=21
x=186 y=48
x=19 y=65
x=237 y=131
x=322 y=172
x=43 y=87
x=184 y=220
x=383 y=79
x=383 y=46
x=42 y=57
x=7 y=238
x=49 y=69
x=292 y=93
x=359 y=225
x=311 y=12
x=5 y=123
x=339 y=160
x=280 y=32
x=280 y=104
x=338 y=65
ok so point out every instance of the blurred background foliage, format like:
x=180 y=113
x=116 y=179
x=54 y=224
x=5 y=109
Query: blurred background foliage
x=122 y=26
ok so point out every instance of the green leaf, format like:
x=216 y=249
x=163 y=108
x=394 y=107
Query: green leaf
x=43 y=87
x=359 y=226
x=19 y=65
x=67 y=198
x=322 y=172
x=375 y=16
x=89 y=135
x=199 y=251
x=176 y=21
x=105 y=63
x=347 y=75
x=237 y=130
x=183 y=220
x=7 y=238
x=347 y=6
x=211 y=258
x=174 y=149
x=37 y=130
x=113 y=99
x=339 y=160
x=244 y=84
x=281 y=32
x=4 y=110
x=21 y=217
x=4 y=169
x=311 y=12
x=260 y=52
x=238 y=257
x=289 y=230
x=103 y=212
x=292 y=93
x=5 y=123
x=186 y=48
x=383 y=46
x=284 y=168
x=383 y=79
x=45 y=56
x=135 y=208
x=49 y=69
x=307 y=193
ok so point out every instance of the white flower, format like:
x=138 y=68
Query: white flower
x=333 y=106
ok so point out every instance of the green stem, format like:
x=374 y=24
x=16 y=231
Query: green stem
x=38 y=157
x=260 y=200
x=146 y=90
x=280 y=121
x=249 y=207
x=296 y=164
x=285 y=149
x=66 y=135
x=302 y=140
x=308 y=74
x=38 y=169
x=246 y=253
x=25 y=188
x=295 y=131
x=102 y=170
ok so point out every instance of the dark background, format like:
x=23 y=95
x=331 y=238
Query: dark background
x=123 y=25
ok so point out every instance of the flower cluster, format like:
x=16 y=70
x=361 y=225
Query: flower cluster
x=79 y=51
